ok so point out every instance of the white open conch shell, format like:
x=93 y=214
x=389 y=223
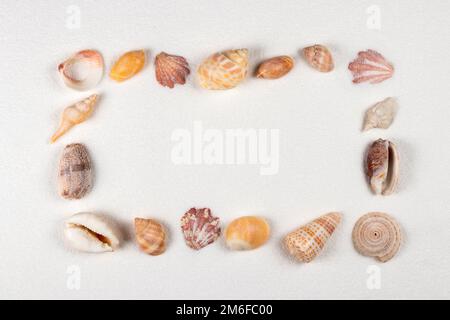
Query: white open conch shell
x=378 y=235
x=83 y=70
x=89 y=232
x=380 y=115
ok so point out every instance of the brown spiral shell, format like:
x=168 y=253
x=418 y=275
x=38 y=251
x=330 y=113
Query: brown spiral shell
x=150 y=236
x=377 y=234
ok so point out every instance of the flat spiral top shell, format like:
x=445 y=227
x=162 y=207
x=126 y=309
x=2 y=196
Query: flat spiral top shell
x=378 y=235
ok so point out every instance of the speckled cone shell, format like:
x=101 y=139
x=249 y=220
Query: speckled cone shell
x=307 y=242
x=200 y=228
x=223 y=70
x=377 y=234
x=75 y=172
x=150 y=236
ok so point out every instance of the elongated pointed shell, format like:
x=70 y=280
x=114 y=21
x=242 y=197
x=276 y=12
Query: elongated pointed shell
x=75 y=114
x=200 y=228
x=246 y=233
x=89 y=232
x=380 y=115
x=382 y=167
x=223 y=70
x=150 y=236
x=171 y=69
x=75 y=172
x=307 y=242
x=83 y=70
x=128 y=65
x=319 y=57
x=378 y=235
x=275 y=68
x=370 y=66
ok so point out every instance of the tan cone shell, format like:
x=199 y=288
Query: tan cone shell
x=307 y=242
x=223 y=70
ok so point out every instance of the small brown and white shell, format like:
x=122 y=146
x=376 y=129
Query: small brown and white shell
x=223 y=70
x=378 y=235
x=150 y=236
x=319 y=57
x=275 y=68
x=308 y=241
x=90 y=232
x=83 y=70
x=200 y=228
x=75 y=114
x=382 y=167
x=380 y=115
x=370 y=66
x=171 y=69
x=75 y=172
x=247 y=233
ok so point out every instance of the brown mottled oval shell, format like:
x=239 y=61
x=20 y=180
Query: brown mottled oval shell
x=319 y=57
x=275 y=68
x=75 y=172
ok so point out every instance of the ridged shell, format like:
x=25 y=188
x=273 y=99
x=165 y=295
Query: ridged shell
x=150 y=236
x=223 y=70
x=75 y=172
x=90 y=232
x=380 y=115
x=275 y=68
x=370 y=66
x=128 y=65
x=307 y=242
x=171 y=69
x=75 y=114
x=382 y=167
x=200 y=228
x=319 y=57
x=378 y=235
x=83 y=70
x=246 y=233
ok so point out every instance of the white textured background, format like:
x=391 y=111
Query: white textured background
x=321 y=147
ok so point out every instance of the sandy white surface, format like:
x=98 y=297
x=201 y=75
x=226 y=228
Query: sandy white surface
x=319 y=117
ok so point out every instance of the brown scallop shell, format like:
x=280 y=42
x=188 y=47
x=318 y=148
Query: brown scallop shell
x=171 y=69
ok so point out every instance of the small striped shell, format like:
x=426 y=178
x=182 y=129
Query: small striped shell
x=200 y=228
x=307 y=242
x=370 y=66
x=378 y=235
x=319 y=57
x=150 y=236
x=171 y=69
x=223 y=70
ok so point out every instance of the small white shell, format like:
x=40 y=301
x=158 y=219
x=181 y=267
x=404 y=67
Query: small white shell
x=83 y=70
x=89 y=232
x=381 y=115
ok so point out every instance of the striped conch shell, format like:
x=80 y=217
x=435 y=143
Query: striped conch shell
x=90 y=232
x=319 y=57
x=378 y=235
x=200 y=228
x=307 y=242
x=382 y=167
x=370 y=66
x=150 y=236
x=128 y=65
x=75 y=114
x=223 y=70
x=83 y=70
